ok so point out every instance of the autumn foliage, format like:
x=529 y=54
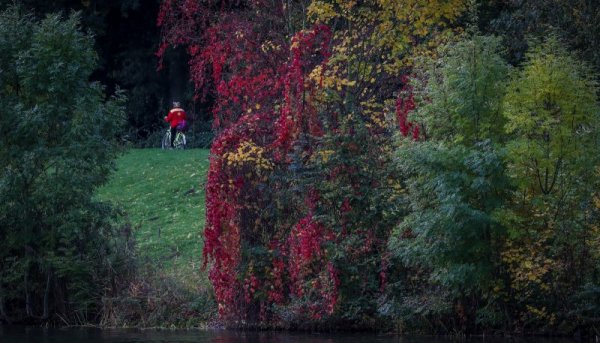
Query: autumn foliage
x=283 y=93
x=315 y=212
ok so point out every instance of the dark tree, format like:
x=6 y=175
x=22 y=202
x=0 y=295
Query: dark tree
x=58 y=145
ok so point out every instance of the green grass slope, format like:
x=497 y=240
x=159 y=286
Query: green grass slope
x=162 y=194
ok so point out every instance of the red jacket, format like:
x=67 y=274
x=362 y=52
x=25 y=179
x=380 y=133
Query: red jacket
x=176 y=116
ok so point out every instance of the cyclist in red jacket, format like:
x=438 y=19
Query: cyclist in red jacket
x=176 y=119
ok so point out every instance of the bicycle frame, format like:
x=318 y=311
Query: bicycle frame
x=179 y=142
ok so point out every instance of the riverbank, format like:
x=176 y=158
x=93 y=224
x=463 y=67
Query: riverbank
x=80 y=335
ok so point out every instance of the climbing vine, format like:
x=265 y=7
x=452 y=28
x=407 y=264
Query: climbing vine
x=305 y=109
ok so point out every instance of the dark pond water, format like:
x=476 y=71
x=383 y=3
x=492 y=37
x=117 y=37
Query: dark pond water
x=35 y=335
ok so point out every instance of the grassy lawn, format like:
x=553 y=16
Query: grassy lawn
x=162 y=194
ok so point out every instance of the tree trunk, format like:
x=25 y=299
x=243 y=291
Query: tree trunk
x=3 y=314
x=60 y=301
x=28 y=310
x=46 y=314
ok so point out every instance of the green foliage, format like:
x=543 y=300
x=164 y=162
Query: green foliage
x=58 y=146
x=552 y=115
x=502 y=207
x=456 y=180
x=360 y=201
x=454 y=194
x=464 y=91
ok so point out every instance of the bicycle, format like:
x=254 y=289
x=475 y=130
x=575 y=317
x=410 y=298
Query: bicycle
x=179 y=142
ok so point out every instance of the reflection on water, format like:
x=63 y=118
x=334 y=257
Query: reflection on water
x=35 y=335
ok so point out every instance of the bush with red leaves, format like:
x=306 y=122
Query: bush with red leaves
x=277 y=235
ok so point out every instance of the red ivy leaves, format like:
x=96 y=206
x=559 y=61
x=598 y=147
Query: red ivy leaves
x=244 y=63
x=405 y=103
x=308 y=49
x=311 y=274
x=240 y=56
x=238 y=67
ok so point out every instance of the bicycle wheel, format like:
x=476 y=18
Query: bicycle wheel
x=166 y=141
x=180 y=141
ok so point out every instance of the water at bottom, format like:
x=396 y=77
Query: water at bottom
x=14 y=334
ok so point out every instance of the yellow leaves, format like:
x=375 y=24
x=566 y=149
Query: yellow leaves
x=395 y=24
x=248 y=154
x=269 y=46
x=330 y=79
x=378 y=119
x=424 y=13
x=321 y=11
x=528 y=266
x=541 y=313
x=375 y=111
x=347 y=4
x=395 y=185
x=346 y=82
x=239 y=34
x=295 y=44
x=377 y=37
x=324 y=155
x=340 y=49
x=316 y=74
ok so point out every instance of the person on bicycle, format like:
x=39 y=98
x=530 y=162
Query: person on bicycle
x=176 y=119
